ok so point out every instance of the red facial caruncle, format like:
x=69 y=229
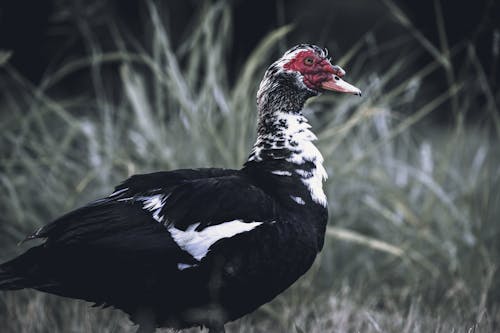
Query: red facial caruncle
x=318 y=73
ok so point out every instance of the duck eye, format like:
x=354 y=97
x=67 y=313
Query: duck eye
x=308 y=61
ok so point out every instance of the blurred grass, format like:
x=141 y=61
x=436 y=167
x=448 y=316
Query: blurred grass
x=412 y=243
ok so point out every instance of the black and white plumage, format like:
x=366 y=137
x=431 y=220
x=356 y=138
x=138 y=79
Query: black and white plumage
x=200 y=246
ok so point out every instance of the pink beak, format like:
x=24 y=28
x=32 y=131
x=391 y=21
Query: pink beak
x=337 y=84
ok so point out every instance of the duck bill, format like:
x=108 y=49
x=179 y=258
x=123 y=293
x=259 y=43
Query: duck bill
x=337 y=84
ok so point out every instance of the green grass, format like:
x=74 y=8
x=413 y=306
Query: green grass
x=412 y=241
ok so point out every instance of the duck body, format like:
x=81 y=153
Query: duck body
x=114 y=253
x=199 y=246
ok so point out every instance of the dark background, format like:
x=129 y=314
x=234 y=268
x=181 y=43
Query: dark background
x=43 y=34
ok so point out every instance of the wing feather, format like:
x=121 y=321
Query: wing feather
x=196 y=208
x=97 y=251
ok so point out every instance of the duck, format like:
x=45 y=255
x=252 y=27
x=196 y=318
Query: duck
x=201 y=247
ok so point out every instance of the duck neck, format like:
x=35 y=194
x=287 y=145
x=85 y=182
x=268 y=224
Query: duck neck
x=284 y=149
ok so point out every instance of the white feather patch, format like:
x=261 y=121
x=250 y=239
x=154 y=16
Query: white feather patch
x=299 y=140
x=182 y=266
x=298 y=200
x=281 y=173
x=118 y=192
x=154 y=204
x=198 y=243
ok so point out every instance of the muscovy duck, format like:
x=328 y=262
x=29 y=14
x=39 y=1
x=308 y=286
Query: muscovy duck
x=201 y=246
